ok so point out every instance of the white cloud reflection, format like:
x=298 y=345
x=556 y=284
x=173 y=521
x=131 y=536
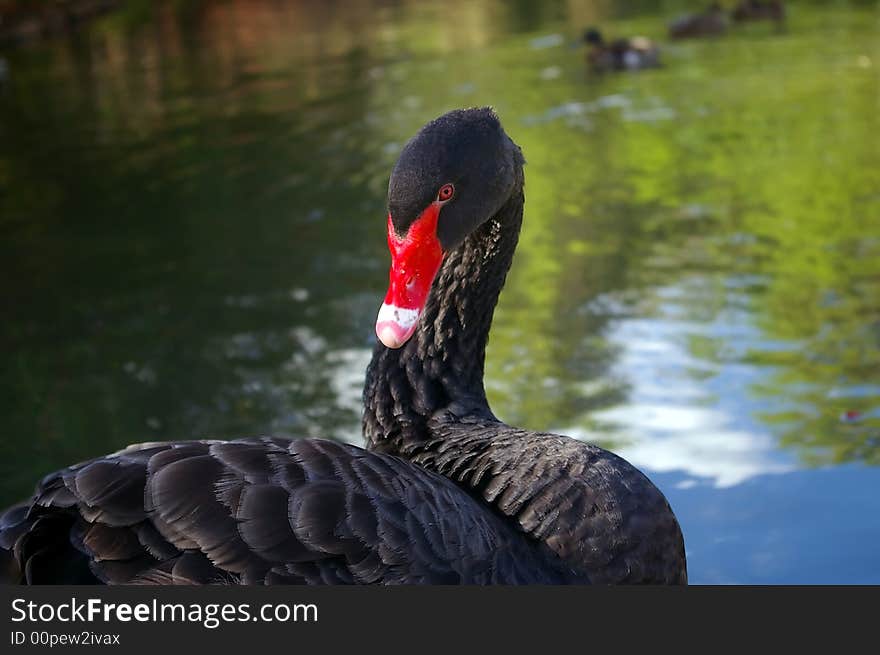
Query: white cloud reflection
x=685 y=413
x=346 y=372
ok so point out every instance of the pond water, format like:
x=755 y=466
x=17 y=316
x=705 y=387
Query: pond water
x=192 y=244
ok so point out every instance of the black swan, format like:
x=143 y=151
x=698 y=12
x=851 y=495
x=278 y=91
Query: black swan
x=445 y=492
x=631 y=53
x=751 y=10
x=711 y=22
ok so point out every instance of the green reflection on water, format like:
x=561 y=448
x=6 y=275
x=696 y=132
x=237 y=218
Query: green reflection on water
x=192 y=199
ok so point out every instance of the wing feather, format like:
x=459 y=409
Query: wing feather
x=259 y=511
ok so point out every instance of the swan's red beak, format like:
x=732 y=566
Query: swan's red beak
x=415 y=260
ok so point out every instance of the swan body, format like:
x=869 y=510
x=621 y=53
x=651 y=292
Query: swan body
x=753 y=10
x=710 y=22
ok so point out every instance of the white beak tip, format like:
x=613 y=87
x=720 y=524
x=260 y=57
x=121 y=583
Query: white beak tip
x=395 y=325
x=390 y=335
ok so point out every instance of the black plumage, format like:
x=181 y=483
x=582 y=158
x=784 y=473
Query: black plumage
x=444 y=494
x=265 y=510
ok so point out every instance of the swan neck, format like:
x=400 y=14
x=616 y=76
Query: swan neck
x=440 y=370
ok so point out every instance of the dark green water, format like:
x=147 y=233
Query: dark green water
x=192 y=244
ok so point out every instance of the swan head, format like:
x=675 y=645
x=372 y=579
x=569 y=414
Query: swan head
x=451 y=177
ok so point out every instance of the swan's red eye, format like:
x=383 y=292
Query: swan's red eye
x=445 y=193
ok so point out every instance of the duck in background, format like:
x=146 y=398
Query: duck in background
x=711 y=22
x=633 y=53
x=753 y=10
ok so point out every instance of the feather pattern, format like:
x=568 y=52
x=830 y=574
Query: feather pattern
x=263 y=511
x=591 y=508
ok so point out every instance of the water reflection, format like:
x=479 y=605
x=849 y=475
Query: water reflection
x=687 y=413
x=191 y=210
